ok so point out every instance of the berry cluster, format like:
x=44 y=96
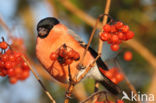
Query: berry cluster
x=113 y=74
x=12 y=64
x=116 y=33
x=65 y=55
x=118 y=101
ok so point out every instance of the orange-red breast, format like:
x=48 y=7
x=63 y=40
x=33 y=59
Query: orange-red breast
x=51 y=35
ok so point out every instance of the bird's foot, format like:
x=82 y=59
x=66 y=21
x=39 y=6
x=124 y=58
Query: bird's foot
x=80 y=66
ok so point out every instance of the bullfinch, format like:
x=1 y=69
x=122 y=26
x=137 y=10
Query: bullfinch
x=51 y=35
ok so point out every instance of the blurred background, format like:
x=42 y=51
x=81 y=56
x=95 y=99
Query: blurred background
x=22 y=16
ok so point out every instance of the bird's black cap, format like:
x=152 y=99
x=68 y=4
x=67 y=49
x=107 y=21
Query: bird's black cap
x=45 y=25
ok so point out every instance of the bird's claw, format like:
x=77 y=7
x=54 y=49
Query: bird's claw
x=80 y=66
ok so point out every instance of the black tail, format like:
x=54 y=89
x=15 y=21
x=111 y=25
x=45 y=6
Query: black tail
x=110 y=86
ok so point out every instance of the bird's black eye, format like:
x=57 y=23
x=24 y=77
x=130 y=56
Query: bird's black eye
x=45 y=25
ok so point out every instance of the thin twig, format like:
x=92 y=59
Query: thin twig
x=91 y=37
x=71 y=86
x=94 y=94
x=100 y=45
x=68 y=93
x=40 y=82
x=72 y=83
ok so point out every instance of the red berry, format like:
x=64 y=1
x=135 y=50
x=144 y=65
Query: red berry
x=76 y=56
x=3 y=45
x=12 y=58
x=120 y=35
x=108 y=74
x=25 y=66
x=19 y=59
x=25 y=74
x=2 y=74
x=125 y=28
x=114 y=80
x=68 y=61
x=8 y=64
x=129 y=35
x=118 y=25
x=128 y=56
x=53 y=56
x=104 y=36
x=2 y=64
x=13 y=80
x=119 y=77
x=18 y=70
x=113 y=70
x=4 y=57
x=11 y=72
x=14 y=63
x=113 y=29
x=17 y=54
x=114 y=38
x=71 y=53
x=107 y=28
x=115 y=47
